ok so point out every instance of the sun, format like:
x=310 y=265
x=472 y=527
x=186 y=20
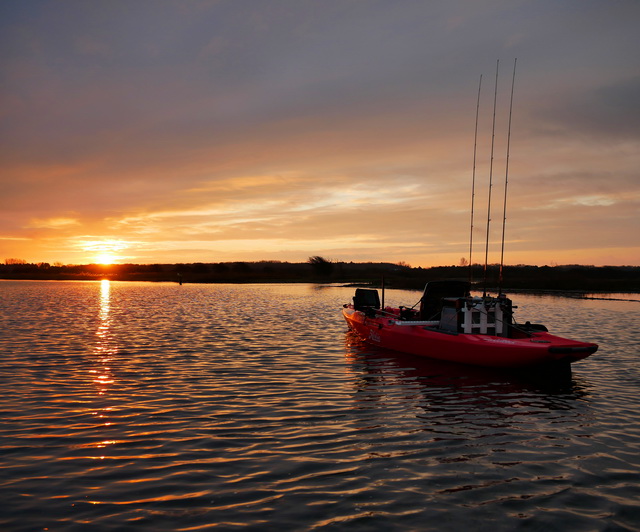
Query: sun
x=106 y=258
x=105 y=251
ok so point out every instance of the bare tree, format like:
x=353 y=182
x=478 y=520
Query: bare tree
x=321 y=266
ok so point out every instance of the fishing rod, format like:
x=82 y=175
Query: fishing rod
x=493 y=135
x=506 y=179
x=473 y=183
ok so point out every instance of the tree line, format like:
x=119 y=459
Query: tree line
x=319 y=269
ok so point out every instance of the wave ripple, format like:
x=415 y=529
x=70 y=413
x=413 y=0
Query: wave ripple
x=166 y=407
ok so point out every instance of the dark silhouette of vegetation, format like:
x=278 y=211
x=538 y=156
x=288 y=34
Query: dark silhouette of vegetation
x=321 y=266
x=567 y=278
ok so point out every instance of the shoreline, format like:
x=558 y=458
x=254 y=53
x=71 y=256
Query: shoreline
x=575 y=293
x=571 y=279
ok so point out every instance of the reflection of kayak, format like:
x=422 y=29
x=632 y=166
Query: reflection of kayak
x=388 y=367
x=453 y=326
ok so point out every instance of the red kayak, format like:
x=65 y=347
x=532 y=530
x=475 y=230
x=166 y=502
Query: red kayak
x=453 y=326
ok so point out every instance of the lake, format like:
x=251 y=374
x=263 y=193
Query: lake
x=141 y=406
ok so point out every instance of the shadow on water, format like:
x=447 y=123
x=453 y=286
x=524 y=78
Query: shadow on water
x=559 y=387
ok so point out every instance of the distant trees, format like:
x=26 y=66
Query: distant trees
x=241 y=267
x=321 y=266
x=318 y=269
x=220 y=267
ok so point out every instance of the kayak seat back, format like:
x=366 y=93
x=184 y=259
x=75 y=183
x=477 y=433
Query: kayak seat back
x=435 y=291
x=366 y=299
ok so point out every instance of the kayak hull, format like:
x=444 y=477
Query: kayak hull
x=536 y=348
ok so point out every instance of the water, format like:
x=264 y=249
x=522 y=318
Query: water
x=163 y=407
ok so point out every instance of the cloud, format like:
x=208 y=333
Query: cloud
x=607 y=112
x=302 y=127
x=53 y=223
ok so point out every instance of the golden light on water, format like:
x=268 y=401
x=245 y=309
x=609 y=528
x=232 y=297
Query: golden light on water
x=105 y=322
x=102 y=376
x=105 y=348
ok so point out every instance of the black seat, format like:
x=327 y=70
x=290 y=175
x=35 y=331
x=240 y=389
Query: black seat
x=366 y=299
x=435 y=291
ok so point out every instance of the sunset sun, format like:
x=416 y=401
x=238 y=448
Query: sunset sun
x=106 y=258
x=104 y=251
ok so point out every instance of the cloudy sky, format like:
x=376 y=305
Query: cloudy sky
x=226 y=130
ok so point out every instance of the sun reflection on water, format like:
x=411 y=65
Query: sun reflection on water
x=105 y=347
x=105 y=350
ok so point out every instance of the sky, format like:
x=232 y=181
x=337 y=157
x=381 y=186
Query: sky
x=155 y=131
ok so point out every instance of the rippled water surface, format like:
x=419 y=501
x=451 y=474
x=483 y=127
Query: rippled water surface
x=166 y=407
